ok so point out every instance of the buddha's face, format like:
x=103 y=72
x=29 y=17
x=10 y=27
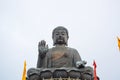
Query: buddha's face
x=60 y=37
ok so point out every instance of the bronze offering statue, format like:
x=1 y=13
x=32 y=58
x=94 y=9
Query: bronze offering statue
x=60 y=61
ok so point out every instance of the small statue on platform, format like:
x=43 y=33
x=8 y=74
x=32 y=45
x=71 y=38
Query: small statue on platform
x=60 y=57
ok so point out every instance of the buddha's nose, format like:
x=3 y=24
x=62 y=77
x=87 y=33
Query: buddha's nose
x=60 y=35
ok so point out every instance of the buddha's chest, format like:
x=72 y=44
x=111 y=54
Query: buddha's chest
x=59 y=54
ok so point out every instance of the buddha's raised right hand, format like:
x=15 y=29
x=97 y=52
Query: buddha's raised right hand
x=42 y=48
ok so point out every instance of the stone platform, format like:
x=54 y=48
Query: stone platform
x=59 y=74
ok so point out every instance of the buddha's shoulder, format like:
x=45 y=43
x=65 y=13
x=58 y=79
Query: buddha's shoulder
x=71 y=49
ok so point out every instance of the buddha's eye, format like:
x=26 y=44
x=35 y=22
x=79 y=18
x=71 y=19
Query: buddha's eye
x=57 y=34
x=63 y=33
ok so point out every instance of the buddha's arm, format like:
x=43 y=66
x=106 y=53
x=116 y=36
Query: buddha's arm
x=42 y=49
x=76 y=57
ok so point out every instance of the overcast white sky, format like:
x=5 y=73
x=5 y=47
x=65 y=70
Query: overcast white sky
x=93 y=27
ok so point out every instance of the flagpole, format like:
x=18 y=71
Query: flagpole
x=95 y=66
x=24 y=71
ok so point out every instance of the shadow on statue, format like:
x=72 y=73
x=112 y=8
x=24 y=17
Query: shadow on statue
x=60 y=61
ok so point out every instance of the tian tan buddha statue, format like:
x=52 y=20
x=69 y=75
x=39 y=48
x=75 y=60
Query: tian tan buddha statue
x=60 y=61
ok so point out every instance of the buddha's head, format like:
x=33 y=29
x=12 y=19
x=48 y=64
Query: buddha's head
x=60 y=36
